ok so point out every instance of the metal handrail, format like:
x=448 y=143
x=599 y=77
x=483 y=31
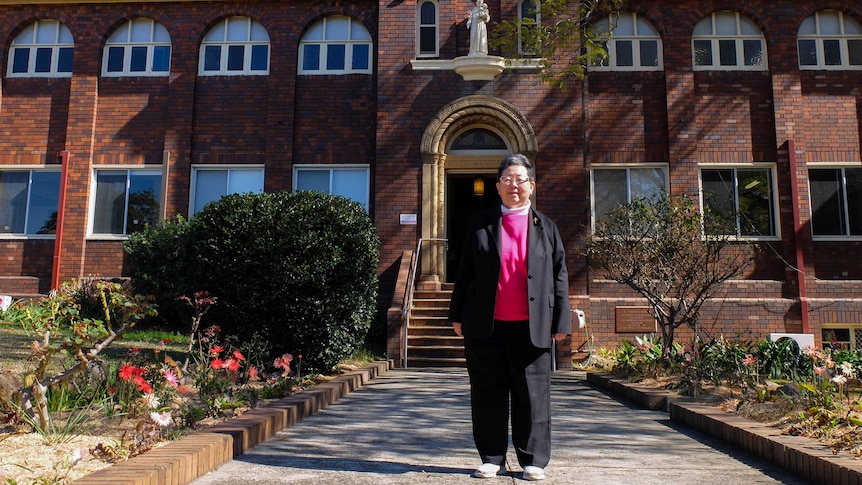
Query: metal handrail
x=411 y=285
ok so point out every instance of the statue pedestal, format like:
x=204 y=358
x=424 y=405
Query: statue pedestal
x=478 y=67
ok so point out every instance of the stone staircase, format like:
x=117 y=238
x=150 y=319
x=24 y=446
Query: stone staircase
x=430 y=339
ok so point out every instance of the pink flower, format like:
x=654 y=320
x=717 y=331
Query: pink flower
x=172 y=378
x=749 y=360
x=284 y=361
x=819 y=370
x=238 y=355
x=162 y=419
x=252 y=373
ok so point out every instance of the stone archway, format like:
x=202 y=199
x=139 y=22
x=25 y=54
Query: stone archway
x=450 y=120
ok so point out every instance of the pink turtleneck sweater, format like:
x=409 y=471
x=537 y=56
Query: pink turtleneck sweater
x=512 y=286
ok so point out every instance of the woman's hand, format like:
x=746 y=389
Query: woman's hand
x=456 y=326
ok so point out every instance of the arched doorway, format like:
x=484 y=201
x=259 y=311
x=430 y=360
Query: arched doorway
x=447 y=163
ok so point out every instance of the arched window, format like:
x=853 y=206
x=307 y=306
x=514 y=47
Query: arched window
x=830 y=40
x=728 y=41
x=633 y=46
x=44 y=49
x=140 y=47
x=335 y=45
x=478 y=138
x=428 y=41
x=530 y=17
x=236 y=46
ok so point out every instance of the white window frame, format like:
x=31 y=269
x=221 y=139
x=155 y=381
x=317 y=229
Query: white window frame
x=357 y=35
x=773 y=206
x=845 y=208
x=638 y=23
x=424 y=27
x=141 y=170
x=627 y=168
x=196 y=169
x=738 y=38
x=845 y=23
x=126 y=38
x=40 y=35
x=29 y=203
x=224 y=36
x=332 y=169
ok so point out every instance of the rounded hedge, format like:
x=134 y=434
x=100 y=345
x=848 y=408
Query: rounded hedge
x=297 y=268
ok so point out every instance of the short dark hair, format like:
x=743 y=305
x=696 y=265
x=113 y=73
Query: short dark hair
x=516 y=160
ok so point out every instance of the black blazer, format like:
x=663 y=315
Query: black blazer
x=475 y=292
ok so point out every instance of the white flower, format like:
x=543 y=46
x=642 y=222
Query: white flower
x=77 y=455
x=162 y=419
x=840 y=379
x=847 y=369
x=151 y=401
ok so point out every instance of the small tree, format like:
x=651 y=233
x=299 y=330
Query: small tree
x=670 y=253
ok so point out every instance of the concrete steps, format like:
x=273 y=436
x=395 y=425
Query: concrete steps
x=430 y=339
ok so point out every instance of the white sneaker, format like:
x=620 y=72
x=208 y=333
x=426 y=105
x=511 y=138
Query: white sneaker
x=487 y=470
x=533 y=473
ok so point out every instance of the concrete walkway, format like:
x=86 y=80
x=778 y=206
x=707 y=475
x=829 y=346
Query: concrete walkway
x=413 y=426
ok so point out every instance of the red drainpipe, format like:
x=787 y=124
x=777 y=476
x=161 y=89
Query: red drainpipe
x=797 y=231
x=61 y=216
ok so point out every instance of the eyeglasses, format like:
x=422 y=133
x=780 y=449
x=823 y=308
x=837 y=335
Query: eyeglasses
x=510 y=181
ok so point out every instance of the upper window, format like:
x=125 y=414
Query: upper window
x=634 y=44
x=44 y=49
x=212 y=183
x=836 y=201
x=830 y=40
x=530 y=17
x=125 y=201
x=728 y=41
x=428 y=44
x=745 y=197
x=335 y=45
x=29 y=201
x=140 y=47
x=234 y=47
x=617 y=186
x=348 y=181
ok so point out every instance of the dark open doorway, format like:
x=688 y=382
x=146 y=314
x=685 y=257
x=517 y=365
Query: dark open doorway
x=462 y=202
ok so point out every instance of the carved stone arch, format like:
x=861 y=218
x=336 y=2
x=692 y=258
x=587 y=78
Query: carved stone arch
x=452 y=119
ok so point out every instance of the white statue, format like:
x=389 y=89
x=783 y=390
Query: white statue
x=476 y=22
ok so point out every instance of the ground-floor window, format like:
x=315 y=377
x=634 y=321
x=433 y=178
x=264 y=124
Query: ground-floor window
x=348 y=181
x=836 y=201
x=616 y=186
x=745 y=196
x=210 y=184
x=124 y=201
x=842 y=337
x=28 y=201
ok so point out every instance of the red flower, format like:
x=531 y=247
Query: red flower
x=231 y=365
x=216 y=350
x=127 y=372
x=238 y=355
x=217 y=364
x=143 y=386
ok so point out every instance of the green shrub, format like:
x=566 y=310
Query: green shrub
x=298 y=268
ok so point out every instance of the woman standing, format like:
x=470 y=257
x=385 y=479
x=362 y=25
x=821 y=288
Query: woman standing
x=510 y=301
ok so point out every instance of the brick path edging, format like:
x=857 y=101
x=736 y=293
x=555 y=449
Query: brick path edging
x=192 y=456
x=804 y=456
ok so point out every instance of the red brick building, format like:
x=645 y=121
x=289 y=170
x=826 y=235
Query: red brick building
x=116 y=114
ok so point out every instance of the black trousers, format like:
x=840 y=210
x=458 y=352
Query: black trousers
x=503 y=367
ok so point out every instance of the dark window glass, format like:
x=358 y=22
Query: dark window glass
x=64 y=61
x=110 y=202
x=311 y=57
x=827 y=202
x=853 y=180
x=832 y=52
x=44 y=200
x=139 y=59
x=161 y=58
x=649 y=53
x=21 y=60
x=235 y=57
x=755 y=203
x=854 y=52
x=43 y=59
x=727 y=52
x=625 y=55
x=259 y=57
x=13 y=201
x=360 y=57
x=428 y=14
x=719 y=193
x=702 y=53
x=428 y=40
x=807 y=52
x=115 y=59
x=753 y=52
x=335 y=57
x=212 y=58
